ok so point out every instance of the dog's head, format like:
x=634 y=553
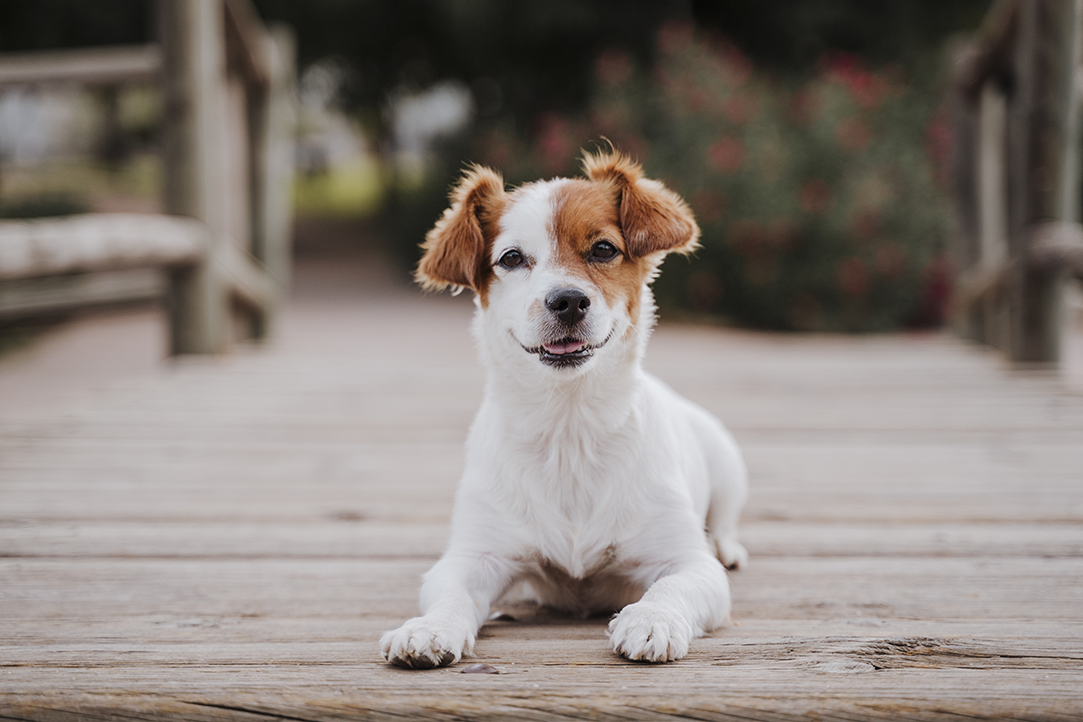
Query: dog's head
x=560 y=268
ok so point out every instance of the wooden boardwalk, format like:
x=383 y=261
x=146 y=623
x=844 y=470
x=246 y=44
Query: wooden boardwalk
x=227 y=539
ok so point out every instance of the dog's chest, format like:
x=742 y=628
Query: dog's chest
x=582 y=501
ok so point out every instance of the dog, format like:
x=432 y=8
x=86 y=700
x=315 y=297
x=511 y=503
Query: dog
x=588 y=483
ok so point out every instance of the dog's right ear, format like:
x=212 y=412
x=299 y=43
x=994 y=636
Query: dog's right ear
x=456 y=251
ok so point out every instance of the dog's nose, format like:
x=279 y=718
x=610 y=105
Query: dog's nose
x=568 y=304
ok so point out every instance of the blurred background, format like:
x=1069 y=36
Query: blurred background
x=808 y=135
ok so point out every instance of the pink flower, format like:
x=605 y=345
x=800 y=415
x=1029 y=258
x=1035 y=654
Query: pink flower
x=867 y=89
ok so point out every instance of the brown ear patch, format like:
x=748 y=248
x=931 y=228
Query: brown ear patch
x=653 y=218
x=456 y=249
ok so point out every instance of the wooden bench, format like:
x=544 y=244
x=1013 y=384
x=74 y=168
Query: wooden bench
x=220 y=259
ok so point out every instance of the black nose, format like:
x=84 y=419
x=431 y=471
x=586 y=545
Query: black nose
x=568 y=304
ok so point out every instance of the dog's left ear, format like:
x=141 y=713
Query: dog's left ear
x=652 y=217
x=456 y=249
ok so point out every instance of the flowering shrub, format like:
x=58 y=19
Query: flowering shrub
x=818 y=203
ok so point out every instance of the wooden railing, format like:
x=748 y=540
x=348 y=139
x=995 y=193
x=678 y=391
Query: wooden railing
x=1016 y=121
x=220 y=259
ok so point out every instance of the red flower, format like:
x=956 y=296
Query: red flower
x=867 y=89
x=727 y=155
x=814 y=197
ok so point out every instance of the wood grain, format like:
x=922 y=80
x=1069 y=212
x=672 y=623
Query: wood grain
x=227 y=539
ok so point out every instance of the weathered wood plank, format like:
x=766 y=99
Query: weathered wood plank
x=228 y=539
x=350 y=535
x=36 y=296
x=97 y=241
x=109 y=65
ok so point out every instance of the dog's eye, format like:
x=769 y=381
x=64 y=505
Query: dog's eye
x=603 y=251
x=511 y=259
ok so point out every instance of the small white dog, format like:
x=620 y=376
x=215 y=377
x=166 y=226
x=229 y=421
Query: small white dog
x=588 y=483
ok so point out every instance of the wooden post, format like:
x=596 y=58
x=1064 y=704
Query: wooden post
x=193 y=55
x=272 y=121
x=1041 y=180
x=965 y=245
x=992 y=215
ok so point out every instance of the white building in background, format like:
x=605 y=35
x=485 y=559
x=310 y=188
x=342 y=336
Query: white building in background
x=39 y=124
x=418 y=120
x=328 y=138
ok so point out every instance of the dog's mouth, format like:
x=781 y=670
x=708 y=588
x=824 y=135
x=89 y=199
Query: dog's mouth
x=565 y=352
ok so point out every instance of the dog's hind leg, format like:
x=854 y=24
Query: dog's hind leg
x=729 y=490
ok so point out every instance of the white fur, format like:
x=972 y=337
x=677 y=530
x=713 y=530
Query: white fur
x=590 y=485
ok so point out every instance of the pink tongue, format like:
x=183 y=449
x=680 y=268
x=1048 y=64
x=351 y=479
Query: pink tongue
x=559 y=349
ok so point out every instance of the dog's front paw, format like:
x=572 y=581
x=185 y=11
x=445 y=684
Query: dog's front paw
x=650 y=633
x=424 y=643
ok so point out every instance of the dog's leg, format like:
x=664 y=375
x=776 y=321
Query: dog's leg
x=675 y=609
x=455 y=599
x=729 y=490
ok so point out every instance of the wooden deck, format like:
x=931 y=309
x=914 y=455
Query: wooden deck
x=227 y=539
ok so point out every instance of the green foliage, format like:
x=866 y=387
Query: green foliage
x=43 y=206
x=529 y=57
x=817 y=199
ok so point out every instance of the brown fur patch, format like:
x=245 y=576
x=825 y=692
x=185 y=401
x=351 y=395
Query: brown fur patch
x=585 y=212
x=457 y=248
x=653 y=218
